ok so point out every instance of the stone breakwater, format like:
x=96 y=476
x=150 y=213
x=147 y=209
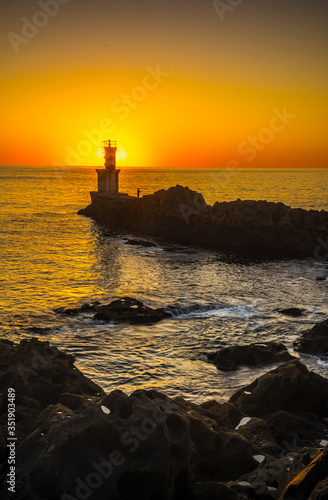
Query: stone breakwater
x=76 y=442
x=180 y=215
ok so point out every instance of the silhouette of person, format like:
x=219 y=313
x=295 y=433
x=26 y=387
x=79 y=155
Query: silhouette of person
x=138 y=192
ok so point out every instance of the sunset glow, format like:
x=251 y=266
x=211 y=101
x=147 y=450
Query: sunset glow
x=176 y=86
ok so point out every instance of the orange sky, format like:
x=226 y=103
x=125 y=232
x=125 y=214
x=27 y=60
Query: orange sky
x=181 y=84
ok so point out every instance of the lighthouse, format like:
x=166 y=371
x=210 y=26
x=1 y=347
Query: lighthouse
x=108 y=177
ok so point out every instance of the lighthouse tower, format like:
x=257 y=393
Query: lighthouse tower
x=108 y=177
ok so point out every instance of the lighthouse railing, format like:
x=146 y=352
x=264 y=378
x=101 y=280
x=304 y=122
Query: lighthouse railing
x=109 y=144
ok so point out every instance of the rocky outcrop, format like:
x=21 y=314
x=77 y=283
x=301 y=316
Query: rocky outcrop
x=255 y=354
x=42 y=376
x=290 y=387
x=314 y=341
x=295 y=312
x=76 y=442
x=181 y=215
x=124 y=310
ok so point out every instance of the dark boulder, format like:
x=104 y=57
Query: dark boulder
x=143 y=446
x=296 y=430
x=126 y=310
x=39 y=374
x=295 y=312
x=256 y=354
x=225 y=414
x=290 y=387
x=131 y=311
x=314 y=341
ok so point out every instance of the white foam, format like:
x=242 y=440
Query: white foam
x=323 y=442
x=243 y=421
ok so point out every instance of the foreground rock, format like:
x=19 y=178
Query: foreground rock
x=312 y=482
x=230 y=358
x=295 y=312
x=127 y=310
x=290 y=387
x=43 y=377
x=81 y=443
x=314 y=341
x=181 y=215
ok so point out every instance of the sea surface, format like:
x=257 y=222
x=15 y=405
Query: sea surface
x=52 y=257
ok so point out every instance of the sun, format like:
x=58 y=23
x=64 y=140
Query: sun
x=100 y=153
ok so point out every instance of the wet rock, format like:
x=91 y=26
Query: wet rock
x=225 y=414
x=40 y=374
x=142 y=446
x=126 y=309
x=312 y=482
x=295 y=312
x=314 y=341
x=296 y=430
x=256 y=354
x=180 y=215
x=290 y=387
x=131 y=311
x=257 y=432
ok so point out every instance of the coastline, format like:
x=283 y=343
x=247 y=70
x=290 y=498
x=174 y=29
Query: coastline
x=251 y=228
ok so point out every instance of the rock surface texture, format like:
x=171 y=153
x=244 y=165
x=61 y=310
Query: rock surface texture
x=76 y=442
x=181 y=215
x=314 y=341
x=255 y=354
x=124 y=310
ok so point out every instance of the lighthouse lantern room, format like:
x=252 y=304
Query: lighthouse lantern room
x=108 y=177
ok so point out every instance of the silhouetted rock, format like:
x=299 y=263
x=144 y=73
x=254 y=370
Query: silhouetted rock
x=290 y=387
x=76 y=442
x=130 y=310
x=291 y=311
x=139 y=446
x=314 y=341
x=296 y=430
x=127 y=310
x=40 y=374
x=255 y=354
x=180 y=215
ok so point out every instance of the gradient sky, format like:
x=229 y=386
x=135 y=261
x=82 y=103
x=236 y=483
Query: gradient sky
x=186 y=83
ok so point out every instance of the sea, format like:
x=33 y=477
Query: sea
x=52 y=257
